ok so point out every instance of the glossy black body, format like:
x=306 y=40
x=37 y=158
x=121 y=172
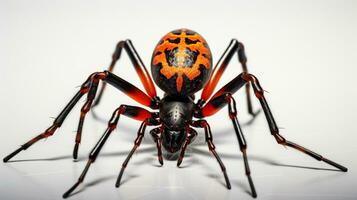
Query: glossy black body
x=175 y=115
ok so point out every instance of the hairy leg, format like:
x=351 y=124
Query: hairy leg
x=137 y=143
x=89 y=87
x=129 y=111
x=213 y=106
x=211 y=147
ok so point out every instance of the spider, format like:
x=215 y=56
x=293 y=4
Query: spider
x=181 y=65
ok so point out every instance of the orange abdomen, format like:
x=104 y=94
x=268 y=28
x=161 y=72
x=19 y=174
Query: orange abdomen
x=181 y=63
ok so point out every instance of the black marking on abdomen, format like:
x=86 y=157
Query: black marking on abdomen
x=174 y=41
x=188 y=41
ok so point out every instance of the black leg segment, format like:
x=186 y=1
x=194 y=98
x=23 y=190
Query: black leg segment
x=211 y=147
x=57 y=122
x=191 y=135
x=129 y=111
x=259 y=93
x=232 y=110
x=156 y=134
x=215 y=104
x=137 y=143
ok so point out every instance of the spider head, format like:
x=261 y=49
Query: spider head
x=172 y=141
x=181 y=63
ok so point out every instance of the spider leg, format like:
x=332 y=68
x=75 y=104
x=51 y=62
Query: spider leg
x=156 y=134
x=90 y=87
x=221 y=101
x=191 y=134
x=241 y=140
x=259 y=93
x=129 y=111
x=211 y=147
x=238 y=82
x=115 y=81
x=233 y=47
x=138 y=65
x=56 y=123
x=85 y=108
x=137 y=143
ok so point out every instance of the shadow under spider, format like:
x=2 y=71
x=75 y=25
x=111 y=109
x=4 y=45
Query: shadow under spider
x=82 y=158
x=192 y=147
x=153 y=150
x=257 y=158
x=92 y=183
x=100 y=180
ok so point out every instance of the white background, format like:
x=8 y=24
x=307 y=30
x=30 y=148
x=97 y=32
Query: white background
x=303 y=52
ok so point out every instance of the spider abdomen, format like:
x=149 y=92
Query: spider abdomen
x=181 y=63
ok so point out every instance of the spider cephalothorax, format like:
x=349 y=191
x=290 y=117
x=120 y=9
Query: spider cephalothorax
x=181 y=65
x=181 y=62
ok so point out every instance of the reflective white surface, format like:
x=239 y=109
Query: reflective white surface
x=303 y=52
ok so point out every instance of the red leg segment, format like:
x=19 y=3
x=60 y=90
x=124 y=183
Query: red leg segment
x=218 y=101
x=131 y=90
x=221 y=66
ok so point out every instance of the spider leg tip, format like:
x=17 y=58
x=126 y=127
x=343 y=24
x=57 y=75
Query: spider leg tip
x=75 y=151
x=179 y=163
x=229 y=186
x=117 y=184
x=65 y=195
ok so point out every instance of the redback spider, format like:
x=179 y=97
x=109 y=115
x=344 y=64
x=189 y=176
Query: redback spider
x=181 y=65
